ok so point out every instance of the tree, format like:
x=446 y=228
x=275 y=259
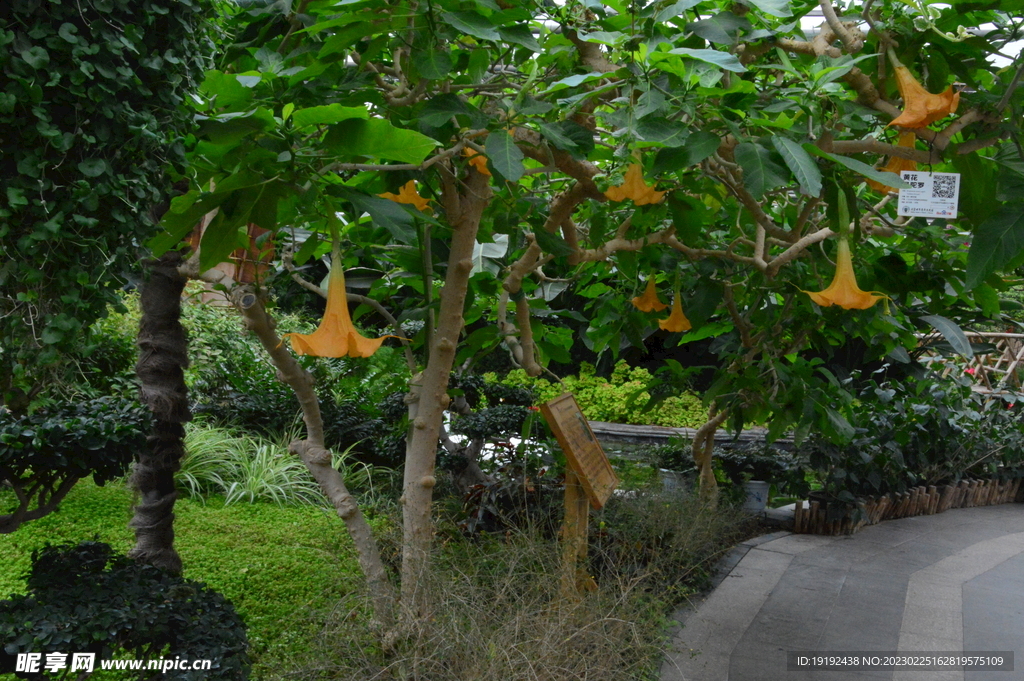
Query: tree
x=92 y=121
x=555 y=126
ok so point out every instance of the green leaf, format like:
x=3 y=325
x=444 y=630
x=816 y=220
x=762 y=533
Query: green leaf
x=472 y=24
x=674 y=10
x=93 y=167
x=36 y=57
x=554 y=134
x=433 y=64
x=439 y=109
x=342 y=41
x=505 y=156
x=995 y=243
x=776 y=8
x=384 y=212
x=844 y=432
x=573 y=81
x=760 y=173
x=953 y=334
x=987 y=299
x=663 y=131
x=377 y=138
x=553 y=243
x=323 y=115
x=722 y=28
x=800 y=162
x=228 y=92
x=886 y=178
x=520 y=34
x=727 y=61
x=67 y=32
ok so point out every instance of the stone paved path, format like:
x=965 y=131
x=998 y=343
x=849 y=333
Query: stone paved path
x=947 y=582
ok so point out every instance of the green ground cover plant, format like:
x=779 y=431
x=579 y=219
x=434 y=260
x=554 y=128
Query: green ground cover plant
x=277 y=565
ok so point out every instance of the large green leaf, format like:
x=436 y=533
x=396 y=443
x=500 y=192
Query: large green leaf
x=323 y=115
x=760 y=172
x=722 y=28
x=776 y=8
x=520 y=35
x=727 y=61
x=504 y=155
x=995 y=243
x=663 y=131
x=952 y=333
x=695 y=149
x=384 y=212
x=433 y=64
x=377 y=138
x=800 y=162
x=472 y=24
x=885 y=177
x=229 y=228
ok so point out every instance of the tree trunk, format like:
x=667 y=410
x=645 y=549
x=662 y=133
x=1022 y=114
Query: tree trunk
x=316 y=456
x=163 y=356
x=702 y=449
x=429 y=394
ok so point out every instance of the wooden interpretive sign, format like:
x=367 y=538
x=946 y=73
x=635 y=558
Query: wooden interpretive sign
x=582 y=450
x=588 y=478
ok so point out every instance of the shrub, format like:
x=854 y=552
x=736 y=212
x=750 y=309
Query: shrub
x=85 y=599
x=498 y=611
x=621 y=398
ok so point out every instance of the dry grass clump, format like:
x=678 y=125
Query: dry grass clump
x=498 y=615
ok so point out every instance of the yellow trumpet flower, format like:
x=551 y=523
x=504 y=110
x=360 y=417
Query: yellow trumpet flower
x=477 y=160
x=676 y=321
x=844 y=291
x=649 y=301
x=408 y=194
x=897 y=164
x=920 y=107
x=633 y=187
x=336 y=336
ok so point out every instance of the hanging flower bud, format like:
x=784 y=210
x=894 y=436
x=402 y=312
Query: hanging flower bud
x=336 y=336
x=407 y=194
x=920 y=107
x=897 y=164
x=477 y=160
x=844 y=291
x=676 y=321
x=649 y=301
x=633 y=187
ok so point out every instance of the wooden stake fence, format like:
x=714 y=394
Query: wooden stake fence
x=916 y=501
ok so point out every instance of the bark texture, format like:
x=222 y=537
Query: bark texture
x=315 y=455
x=429 y=394
x=163 y=357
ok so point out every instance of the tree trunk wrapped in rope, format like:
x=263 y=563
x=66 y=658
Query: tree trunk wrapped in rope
x=163 y=358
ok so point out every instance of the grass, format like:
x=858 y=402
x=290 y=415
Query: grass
x=278 y=565
x=497 y=613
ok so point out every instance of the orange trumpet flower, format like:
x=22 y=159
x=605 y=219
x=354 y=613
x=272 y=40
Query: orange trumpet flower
x=649 y=301
x=633 y=187
x=336 y=336
x=897 y=164
x=408 y=194
x=920 y=107
x=676 y=321
x=477 y=160
x=844 y=291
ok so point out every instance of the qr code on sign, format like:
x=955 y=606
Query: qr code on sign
x=944 y=187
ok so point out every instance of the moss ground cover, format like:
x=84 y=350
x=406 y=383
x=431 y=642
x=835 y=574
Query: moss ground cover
x=278 y=565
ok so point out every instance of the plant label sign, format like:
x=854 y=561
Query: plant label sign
x=582 y=450
x=931 y=195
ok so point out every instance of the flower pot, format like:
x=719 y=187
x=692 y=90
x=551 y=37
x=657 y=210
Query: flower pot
x=757 y=496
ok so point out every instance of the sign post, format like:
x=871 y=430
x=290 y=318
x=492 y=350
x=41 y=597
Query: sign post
x=589 y=481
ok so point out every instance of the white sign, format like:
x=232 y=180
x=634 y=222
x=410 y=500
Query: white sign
x=931 y=195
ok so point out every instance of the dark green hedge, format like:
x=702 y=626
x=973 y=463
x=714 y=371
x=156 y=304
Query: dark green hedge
x=92 y=117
